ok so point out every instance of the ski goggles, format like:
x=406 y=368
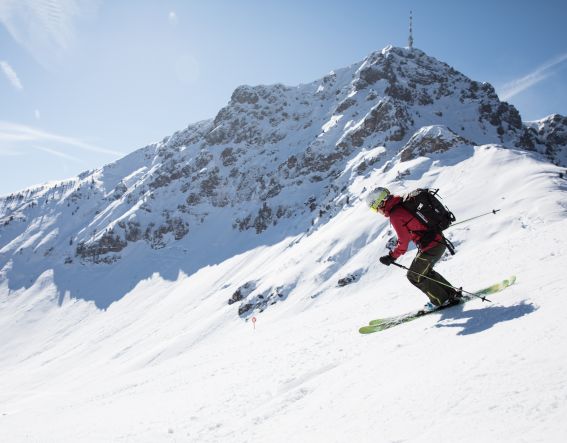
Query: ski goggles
x=378 y=204
x=380 y=200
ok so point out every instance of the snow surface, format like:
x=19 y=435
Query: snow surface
x=171 y=361
x=115 y=285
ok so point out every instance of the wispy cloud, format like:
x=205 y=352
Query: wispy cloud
x=519 y=85
x=11 y=75
x=11 y=134
x=46 y=28
x=58 y=153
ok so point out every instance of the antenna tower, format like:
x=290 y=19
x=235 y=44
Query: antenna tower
x=410 y=39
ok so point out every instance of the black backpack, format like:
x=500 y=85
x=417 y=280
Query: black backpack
x=424 y=205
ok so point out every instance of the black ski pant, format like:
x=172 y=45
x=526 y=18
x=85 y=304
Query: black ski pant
x=421 y=267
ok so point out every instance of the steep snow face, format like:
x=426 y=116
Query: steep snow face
x=277 y=161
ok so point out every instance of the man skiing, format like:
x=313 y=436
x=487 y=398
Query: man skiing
x=430 y=244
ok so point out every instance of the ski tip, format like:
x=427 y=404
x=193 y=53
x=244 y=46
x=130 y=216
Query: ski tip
x=371 y=328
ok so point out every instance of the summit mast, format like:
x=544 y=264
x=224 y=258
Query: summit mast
x=410 y=38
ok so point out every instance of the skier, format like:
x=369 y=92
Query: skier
x=430 y=245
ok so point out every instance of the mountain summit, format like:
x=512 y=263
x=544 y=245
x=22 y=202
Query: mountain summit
x=274 y=162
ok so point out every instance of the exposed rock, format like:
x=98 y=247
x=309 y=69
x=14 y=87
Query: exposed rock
x=552 y=133
x=263 y=300
x=170 y=175
x=94 y=250
x=228 y=157
x=263 y=219
x=502 y=115
x=401 y=93
x=119 y=191
x=386 y=117
x=210 y=183
x=429 y=140
x=242 y=292
x=154 y=235
x=245 y=94
x=345 y=104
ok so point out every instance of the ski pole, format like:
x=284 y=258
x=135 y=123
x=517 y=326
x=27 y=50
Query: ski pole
x=494 y=211
x=441 y=283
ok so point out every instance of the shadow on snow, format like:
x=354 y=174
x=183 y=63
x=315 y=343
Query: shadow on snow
x=478 y=320
x=105 y=284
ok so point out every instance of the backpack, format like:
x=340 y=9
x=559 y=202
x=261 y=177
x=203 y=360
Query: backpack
x=424 y=205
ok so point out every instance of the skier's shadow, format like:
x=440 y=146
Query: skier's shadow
x=474 y=321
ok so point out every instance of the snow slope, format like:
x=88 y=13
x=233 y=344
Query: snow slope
x=127 y=294
x=171 y=361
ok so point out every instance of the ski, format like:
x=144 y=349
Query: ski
x=382 y=324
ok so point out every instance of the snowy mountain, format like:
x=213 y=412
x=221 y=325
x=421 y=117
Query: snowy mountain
x=275 y=155
x=132 y=285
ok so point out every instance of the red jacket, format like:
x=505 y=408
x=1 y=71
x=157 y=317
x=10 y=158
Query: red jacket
x=407 y=227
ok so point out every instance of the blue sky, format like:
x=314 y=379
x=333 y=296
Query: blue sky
x=84 y=82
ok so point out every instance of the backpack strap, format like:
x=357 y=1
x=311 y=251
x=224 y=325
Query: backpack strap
x=449 y=244
x=426 y=236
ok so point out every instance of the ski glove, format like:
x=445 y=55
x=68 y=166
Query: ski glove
x=387 y=260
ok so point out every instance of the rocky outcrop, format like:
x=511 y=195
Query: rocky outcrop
x=430 y=140
x=552 y=133
x=389 y=120
x=503 y=116
x=97 y=251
